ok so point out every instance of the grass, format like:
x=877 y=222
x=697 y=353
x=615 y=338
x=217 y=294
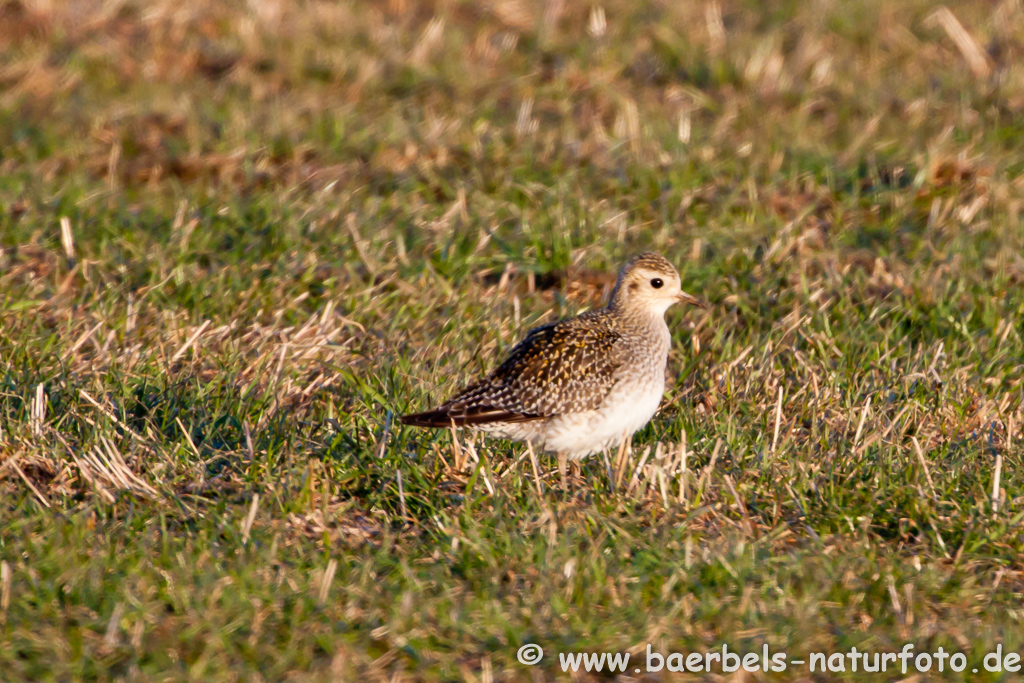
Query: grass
x=237 y=239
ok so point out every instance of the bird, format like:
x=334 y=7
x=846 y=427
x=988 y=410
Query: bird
x=581 y=385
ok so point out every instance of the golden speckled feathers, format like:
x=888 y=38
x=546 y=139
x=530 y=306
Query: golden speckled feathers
x=563 y=367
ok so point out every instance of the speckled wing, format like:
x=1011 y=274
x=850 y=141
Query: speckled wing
x=563 y=367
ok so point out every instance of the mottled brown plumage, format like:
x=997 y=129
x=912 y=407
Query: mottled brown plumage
x=567 y=366
x=560 y=385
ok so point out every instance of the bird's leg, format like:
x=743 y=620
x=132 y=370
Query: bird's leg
x=562 y=462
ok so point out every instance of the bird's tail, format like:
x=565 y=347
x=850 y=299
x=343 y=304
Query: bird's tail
x=443 y=418
x=428 y=418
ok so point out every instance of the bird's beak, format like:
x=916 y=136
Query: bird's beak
x=691 y=299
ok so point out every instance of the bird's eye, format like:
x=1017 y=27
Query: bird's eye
x=657 y=283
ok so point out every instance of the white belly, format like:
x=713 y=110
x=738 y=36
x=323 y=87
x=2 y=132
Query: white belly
x=628 y=407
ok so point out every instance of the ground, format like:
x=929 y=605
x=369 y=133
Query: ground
x=237 y=239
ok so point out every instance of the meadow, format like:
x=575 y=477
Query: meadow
x=239 y=238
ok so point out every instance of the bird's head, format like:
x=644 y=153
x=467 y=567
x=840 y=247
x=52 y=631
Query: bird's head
x=649 y=283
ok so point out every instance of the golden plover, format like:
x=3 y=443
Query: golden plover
x=576 y=386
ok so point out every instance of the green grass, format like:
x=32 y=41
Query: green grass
x=291 y=223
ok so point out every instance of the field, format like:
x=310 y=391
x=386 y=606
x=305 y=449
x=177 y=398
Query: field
x=237 y=239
